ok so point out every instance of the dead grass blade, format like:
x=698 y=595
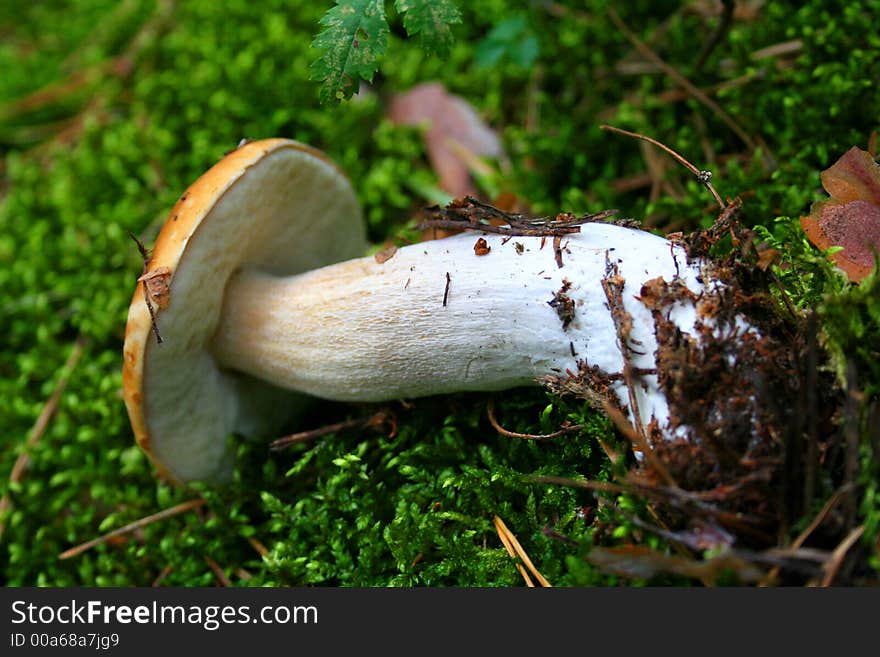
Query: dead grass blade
x=832 y=567
x=218 y=572
x=375 y=421
x=261 y=549
x=682 y=81
x=832 y=502
x=42 y=423
x=167 y=570
x=137 y=524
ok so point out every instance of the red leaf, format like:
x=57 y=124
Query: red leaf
x=855 y=176
x=851 y=217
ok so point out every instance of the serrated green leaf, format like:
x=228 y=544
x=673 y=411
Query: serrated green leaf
x=354 y=41
x=432 y=20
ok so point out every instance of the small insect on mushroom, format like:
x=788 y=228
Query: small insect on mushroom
x=481 y=248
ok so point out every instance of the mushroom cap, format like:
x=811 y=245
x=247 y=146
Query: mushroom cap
x=275 y=205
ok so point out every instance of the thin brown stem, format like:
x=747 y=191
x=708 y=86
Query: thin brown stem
x=832 y=567
x=218 y=572
x=549 y=532
x=719 y=31
x=469 y=213
x=538 y=231
x=798 y=542
x=490 y=412
x=588 y=484
x=515 y=549
x=374 y=421
x=41 y=424
x=621 y=422
x=612 y=285
x=167 y=570
x=132 y=526
x=777 y=50
x=674 y=497
x=851 y=436
x=703 y=176
x=261 y=549
x=681 y=80
x=786 y=300
x=811 y=458
x=146 y=256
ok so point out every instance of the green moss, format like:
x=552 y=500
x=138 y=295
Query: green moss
x=164 y=89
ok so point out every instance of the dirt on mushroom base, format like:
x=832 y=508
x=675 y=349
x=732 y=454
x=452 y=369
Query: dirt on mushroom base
x=751 y=412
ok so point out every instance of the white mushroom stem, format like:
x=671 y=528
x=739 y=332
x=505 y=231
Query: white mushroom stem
x=437 y=318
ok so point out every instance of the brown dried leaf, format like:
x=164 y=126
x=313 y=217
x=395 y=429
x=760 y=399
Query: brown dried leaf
x=455 y=136
x=851 y=217
x=855 y=176
x=482 y=247
x=157 y=284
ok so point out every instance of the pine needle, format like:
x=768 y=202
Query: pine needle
x=832 y=567
x=514 y=549
x=40 y=426
x=218 y=572
x=137 y=524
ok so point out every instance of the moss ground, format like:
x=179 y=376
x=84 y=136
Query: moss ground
x=108 y=112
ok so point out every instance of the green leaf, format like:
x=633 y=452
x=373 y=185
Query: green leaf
x=432 y=20
x=354 y=41
x=511 y=39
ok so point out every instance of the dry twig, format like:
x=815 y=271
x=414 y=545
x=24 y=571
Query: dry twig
x=832 y=502
x=682 y=81
x=514 y=549
x=261 y=549
x=218 y=572
x=613 y=285
x=374 y=421
x=162 y=575
x=132 y=526
x=704 y=177
x=832 y=566
x=719 y=31
x=490 y=412
x=145 y=256
x=469 y=213
x=39 y=428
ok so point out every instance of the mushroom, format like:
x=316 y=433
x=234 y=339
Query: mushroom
x=254 y=310
x=273 y=206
